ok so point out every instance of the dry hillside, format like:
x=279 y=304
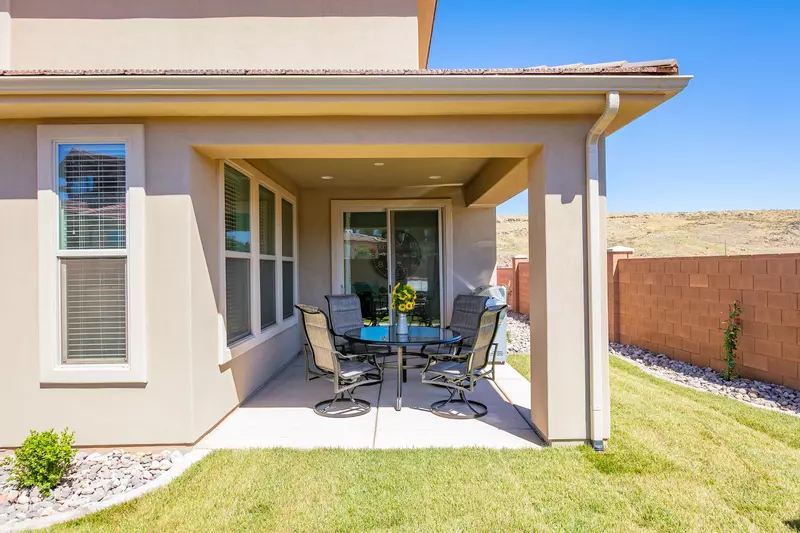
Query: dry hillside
x=678 y=234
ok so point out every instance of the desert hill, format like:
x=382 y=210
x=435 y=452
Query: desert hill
x=678 y=234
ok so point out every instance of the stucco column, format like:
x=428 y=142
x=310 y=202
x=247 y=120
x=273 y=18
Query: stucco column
x=558 y=297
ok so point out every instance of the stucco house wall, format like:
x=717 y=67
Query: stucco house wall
x=159 y=412
x=157 y=34
x=187 y=389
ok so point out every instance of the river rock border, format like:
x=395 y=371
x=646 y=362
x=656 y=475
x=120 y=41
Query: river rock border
x=758 y=393
x=95 y=481
x=519 y=332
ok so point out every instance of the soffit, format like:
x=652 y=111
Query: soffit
x=362 y=172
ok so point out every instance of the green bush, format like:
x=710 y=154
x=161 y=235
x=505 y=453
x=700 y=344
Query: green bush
x=43 y=459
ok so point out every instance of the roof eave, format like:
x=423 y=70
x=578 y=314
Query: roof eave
x=341 y=84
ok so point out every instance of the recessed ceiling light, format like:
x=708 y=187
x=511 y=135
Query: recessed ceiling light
x=434 y=177
x=327 y=177
x=378 y=164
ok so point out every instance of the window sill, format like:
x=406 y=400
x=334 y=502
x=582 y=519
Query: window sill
x=248 y=343
x=76 y=374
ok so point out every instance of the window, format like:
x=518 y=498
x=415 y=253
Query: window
x=92 y=252
x=91 y=269
x=266 y=233
x=260 y=267
x=237 y=254
x=287 y=222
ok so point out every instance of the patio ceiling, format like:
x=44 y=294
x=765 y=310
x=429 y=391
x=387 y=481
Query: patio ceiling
x=363 y=172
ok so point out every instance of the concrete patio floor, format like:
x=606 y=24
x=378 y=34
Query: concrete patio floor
x=281 y=415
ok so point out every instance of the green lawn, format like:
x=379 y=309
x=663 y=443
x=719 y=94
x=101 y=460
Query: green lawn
x=679 y=460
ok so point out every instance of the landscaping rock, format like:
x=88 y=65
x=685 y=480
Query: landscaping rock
x=750 y=391
x=519 y=332
x=706 y=379
x=91 y=478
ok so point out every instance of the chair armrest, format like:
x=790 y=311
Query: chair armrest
x=340 y=355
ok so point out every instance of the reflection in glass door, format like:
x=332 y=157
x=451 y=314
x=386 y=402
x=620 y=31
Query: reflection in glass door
x=372 y=264
x=365 y=263
x=416 y=260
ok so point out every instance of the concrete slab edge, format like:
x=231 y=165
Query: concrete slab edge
x=509 y=375
x=177 y=469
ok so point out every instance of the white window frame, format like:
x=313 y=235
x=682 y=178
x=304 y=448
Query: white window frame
x=52 y=369
x=445 y=208
x=257 y=335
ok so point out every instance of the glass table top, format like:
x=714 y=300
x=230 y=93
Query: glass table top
x=417 y=335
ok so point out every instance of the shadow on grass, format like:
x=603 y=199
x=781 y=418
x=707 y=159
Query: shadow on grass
x=627 y=461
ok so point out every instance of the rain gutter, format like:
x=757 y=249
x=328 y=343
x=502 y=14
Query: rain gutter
x=598 y=346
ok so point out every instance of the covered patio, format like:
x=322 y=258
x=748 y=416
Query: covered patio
x=250 y=193
x=281 y=415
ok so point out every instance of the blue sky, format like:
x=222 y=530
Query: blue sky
x=731 y=140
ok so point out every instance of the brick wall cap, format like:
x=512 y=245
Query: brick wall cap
x=620 y=249
x=520 y=256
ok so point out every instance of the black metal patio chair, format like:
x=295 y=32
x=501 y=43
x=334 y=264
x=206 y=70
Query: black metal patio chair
x=344 y=371
x=467 y=310
x=461 y=376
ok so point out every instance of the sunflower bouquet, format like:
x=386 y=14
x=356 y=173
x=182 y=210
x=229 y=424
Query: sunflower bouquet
x=404 y=297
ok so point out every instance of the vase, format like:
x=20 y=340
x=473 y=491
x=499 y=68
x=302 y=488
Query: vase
x=402 y=324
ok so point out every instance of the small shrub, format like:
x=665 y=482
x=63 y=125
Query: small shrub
x=43 y=459
x=730 y=341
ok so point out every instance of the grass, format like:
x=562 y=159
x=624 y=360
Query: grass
x=679 y=460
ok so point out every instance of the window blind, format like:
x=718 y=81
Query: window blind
x=91 y=190
x=288 y=289
x=237 y=211
x=266 y=221
x=237 y=298
x=267 y=279
x=94 y=308
x=287 y=228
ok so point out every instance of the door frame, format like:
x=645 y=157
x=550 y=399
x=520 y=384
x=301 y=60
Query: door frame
x=445 y=208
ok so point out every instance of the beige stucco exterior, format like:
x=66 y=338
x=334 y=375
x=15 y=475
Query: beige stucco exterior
x=187 y=389
x=151 y=34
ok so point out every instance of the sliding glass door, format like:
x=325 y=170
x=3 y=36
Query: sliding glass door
x=370 y=263
x=365 y=262
x=416 y=259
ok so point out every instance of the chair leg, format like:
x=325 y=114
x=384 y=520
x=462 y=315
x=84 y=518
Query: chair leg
x=478 y=409
x=356 y=406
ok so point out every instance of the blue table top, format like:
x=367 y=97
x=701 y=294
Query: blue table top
x=388 y=336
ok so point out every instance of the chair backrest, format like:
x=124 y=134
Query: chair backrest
x=467 y=309
x=345 y=312
x=320 y=340
x=487 y=329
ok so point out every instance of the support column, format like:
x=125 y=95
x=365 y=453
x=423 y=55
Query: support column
x=560 y=402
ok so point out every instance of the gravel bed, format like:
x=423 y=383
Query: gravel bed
x=707 y=379
x=92 y=478
x=519 y=333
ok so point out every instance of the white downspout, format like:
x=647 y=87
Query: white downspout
x=597 y=345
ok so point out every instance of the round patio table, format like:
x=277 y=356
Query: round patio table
x=388 y=336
